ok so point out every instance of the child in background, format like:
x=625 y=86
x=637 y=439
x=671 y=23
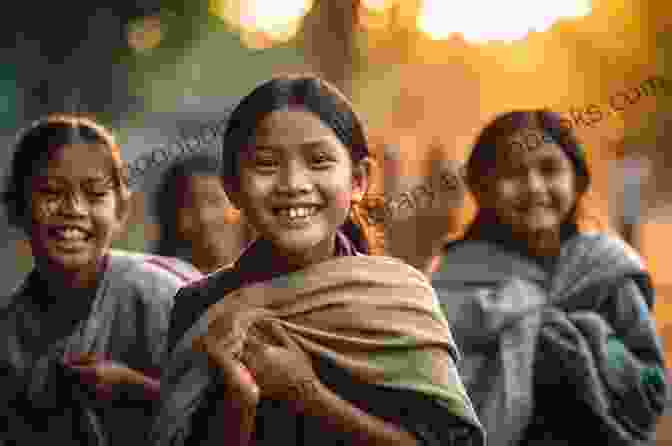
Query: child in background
x=197 y=221
x=84 y=335
x=554 y=321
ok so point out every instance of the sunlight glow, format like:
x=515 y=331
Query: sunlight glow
x=378 y=5
x=481 y=21
x=263 y=22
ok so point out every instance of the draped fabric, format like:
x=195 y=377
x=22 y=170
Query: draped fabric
x=126 y=321
x=374 y=318
x=508 y=315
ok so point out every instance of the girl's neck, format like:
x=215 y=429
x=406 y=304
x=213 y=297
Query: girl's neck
x=59 y=280
x=282 y=262
x=262 y=261
x=207 y=261
x=543 y=247
x=52 y=291
x=211 y=257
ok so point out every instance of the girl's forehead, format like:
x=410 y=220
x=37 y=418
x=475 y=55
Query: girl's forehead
x=292 y=125
x=79 y=161
x=528 y=145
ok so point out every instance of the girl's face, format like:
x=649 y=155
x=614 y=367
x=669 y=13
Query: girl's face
x=203 y=204
x=296 y=183
x=206 y=217
x=74 y=209
x=534 y=187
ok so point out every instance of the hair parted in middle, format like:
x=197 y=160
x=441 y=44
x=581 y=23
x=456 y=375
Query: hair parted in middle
x=305 y=91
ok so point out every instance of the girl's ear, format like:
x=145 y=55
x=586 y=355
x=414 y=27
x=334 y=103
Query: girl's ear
x=124 y=210
x=476 y=186
x=581 y=185
x=360 y=178
x=462 y=172
x=232 y=193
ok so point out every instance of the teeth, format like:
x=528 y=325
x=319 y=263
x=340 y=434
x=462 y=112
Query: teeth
x=301 y=212
x=71 y=234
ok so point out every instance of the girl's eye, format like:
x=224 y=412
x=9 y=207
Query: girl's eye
x=50 y=191
x=264 y=162
x=213 y=201
x=99 y=191
x=321 y=160
x=551 y=169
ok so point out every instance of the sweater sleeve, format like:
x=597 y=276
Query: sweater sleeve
x=610 y=359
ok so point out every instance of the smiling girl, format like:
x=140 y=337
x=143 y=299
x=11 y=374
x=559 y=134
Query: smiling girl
x=554 y=321
x=305 y=340
x=84 y=334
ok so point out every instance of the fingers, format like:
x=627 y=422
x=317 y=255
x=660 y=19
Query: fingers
x=237 y=377
x=253 y=344
x=239 y=382
x=280 y=333
x=82 y=359
x=253 y=353
x=219 y=351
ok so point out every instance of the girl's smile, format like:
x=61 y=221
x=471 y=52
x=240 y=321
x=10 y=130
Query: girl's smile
x=533 y=190
x=297 y=215
x=74 y=209
x=70 y=237
x=296 y=183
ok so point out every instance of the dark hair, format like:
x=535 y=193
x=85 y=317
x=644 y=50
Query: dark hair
x=36 y=145
x=482 y=161
x=170 y=187
x=311 y=93
x=480 y=166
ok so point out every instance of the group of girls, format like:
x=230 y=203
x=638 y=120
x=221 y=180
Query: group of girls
x=530 y=331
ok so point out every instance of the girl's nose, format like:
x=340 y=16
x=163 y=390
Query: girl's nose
x=535 y=182
x=73 y=204
x=294 y=179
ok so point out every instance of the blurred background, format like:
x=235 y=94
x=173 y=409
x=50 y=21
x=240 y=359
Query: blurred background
x=425 y=76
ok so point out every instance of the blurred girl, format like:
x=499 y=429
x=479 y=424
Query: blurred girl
x=197 y=221
x=305 y=340
x=554 y=321
x=84 y=334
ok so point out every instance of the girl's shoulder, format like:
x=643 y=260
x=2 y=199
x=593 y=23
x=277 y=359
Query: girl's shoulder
x=222 y=280
x=149 y=275
x=451 y=245
x=194 y=299
x=464 y=249
x=465 y=261
x=9 y=301
x=603 y=249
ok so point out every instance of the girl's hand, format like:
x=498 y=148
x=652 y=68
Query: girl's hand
x=236 y=376
x=283 y=372
x=103 y=374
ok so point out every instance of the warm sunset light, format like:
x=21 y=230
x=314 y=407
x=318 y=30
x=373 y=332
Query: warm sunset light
x=481 y=21
x=263 y=22
x=378 y=5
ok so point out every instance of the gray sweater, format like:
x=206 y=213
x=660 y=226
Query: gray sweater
x=556 y=357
